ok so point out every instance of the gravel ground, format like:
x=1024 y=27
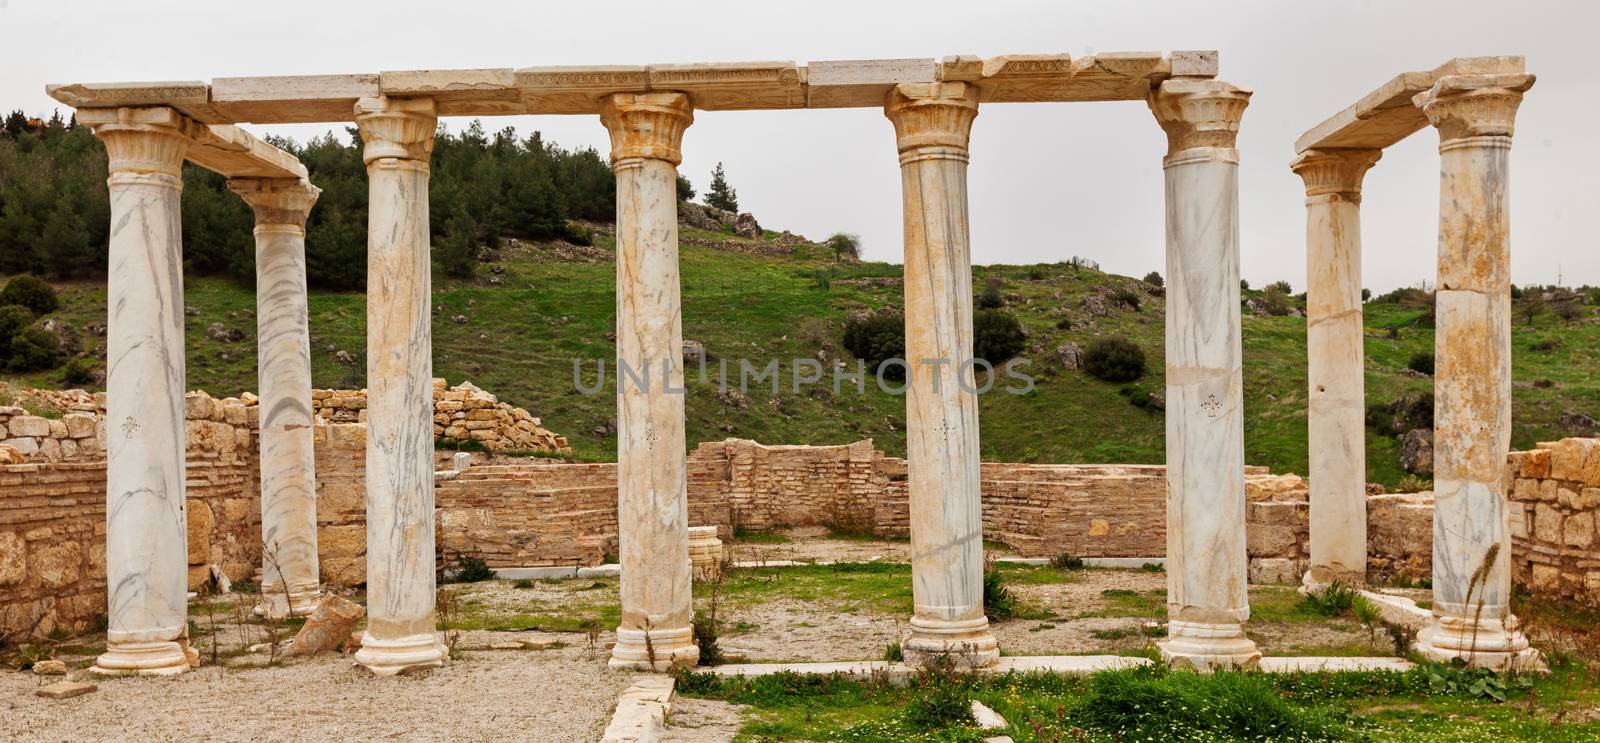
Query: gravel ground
x=552 y=695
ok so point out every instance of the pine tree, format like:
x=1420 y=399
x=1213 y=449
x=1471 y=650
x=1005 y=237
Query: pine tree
x=721 y=195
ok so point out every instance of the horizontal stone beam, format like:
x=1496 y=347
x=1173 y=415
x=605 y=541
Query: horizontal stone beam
x=223 y=148
x=719 y=86
x=1387 y=115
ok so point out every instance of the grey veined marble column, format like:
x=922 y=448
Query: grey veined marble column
x=398 y=139
x=1472 y=617
x=1336 y=414
x=652 y=497
x=932 y=124
x=1207 y=568
x=283 y=342
x=146 y=527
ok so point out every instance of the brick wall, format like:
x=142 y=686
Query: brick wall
x=1555 y=494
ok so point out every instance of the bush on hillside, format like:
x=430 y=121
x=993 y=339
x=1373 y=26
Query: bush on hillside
x=845 y=246
x=991 y=298
x=996 y=336
x=1421 y=362
x=33 y=349
x=1154 y=279
x=79 y=371
x=1126 y=297
x=31 y=292
x=876 y=337
x=1114 y=359
x=1276 y=300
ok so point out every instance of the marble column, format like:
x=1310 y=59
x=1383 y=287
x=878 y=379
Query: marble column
x=1207 y=568
x=1336 y=414
x=398 y=138
x=652 y=498
x=932 y=124
x=1472 y=618
x=289 y=584
x=147 y=561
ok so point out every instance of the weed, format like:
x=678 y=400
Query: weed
x=893 y=653
x=522 y=583
x=1334 y=601
x=1067 y=562
x=998 y=603
x=1152 y=567
x=469 y=569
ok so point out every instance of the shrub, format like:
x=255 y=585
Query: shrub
x=523 y=582
x=996 y=336
x=1547 y=344
x=1064 y=323
x=893 y=653
x=1421 y=362
x=941 y=700
x=1124 y=296
x=876 y=337
x=32 y=349
x=1366 y=294
x=1276 y=299
x=32 y=292
x=79 y=371
x=1067 y=562
x=1244 y=285
x=845 y=246
x=1154 y=279
x=823 y=279
x=991 y=298
x=469 y=569
x=1334 y=601
x=14 y=319
x=1114 y=359
x=1282 y=286
x=705 y=638
x=1413 y=484
x=998 y=603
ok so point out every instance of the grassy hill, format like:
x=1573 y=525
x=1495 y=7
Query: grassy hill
x=763 y=300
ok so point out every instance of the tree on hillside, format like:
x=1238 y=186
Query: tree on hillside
x=722 y=196
x=685 y=188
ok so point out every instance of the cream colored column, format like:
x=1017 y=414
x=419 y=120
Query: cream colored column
x=652 y=498
x=1336 y=417
x=1207 y=568
x=932 y=123
x=398 y=139
x=147 y=561
x=1472 y=617
x=283 y=347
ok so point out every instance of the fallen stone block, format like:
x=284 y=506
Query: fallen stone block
x=328 y=627
x=50 y=668
x=65 y=689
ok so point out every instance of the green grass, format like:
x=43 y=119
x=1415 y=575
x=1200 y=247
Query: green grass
x=522 y=335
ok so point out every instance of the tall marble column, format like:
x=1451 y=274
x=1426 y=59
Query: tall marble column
x=398 y=139
x=288 y=478
x=1472 y=617
x=1207 y=568
x=146 y=526
x=652 y=498
x=1336 y=416
x=932 y=123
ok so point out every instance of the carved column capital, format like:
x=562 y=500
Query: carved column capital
x=1198 y=113
x=277 y=201
x=142 y=141
x=646 y=125
x=1462 y=106
x=932 y=118
x=398 y=128
x=1335 y=170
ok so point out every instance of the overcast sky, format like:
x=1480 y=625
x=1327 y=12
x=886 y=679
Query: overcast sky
x=1048 y=181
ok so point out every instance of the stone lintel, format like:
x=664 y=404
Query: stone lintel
x=480 y=92
x=223 y=148
x=1387 y=115
x=862 y=83
x=293 y=99
x=190 y=97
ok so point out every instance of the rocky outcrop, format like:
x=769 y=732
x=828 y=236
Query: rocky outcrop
x=1416 y=451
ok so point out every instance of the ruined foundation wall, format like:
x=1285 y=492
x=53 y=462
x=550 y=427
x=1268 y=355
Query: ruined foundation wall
x=1555 y=495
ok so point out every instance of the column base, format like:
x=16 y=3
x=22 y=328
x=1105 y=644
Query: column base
x=665 y=649
x=157 y=658
x=1320 y=578
x=1206 y=647
x=275 y=604
x=966 y=643
x=1488 y=643
x=388 y=657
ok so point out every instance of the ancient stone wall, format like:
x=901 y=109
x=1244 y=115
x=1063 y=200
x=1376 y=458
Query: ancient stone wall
x=1555 y=495
x=463 y=413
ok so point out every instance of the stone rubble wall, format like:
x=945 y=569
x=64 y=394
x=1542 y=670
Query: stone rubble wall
x=1555 y=496
x=463 y=412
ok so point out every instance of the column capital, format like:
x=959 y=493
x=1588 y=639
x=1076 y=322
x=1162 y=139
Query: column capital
x=647 y=125
x=142 y=141
x=1462 y=106
x=931 y=115
x=1335 y=170
x=277 y=201
x=399 y=128
x=1198 y=113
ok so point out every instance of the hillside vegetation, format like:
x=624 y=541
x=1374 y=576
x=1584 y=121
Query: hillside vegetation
x=534 y=308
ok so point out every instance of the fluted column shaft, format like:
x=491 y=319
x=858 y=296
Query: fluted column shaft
x=398 y=139
x=1207 y=567
x=1472 y=381
x=283 y=344
x=932 y=127
x=652 y=498
x=1336 y=416
x=146 y=526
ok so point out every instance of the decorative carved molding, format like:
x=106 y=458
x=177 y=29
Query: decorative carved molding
x=1462 y=106
x=932 y=115
x=646 y=125
x=277 y=201
x=1335 y=170
x=144 y=141
x=1199 y=113
x=399 y=128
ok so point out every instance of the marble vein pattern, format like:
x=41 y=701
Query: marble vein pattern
x=397 y=135
x=932 y=125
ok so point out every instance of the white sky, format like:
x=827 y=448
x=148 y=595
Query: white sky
x=1048 y=181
